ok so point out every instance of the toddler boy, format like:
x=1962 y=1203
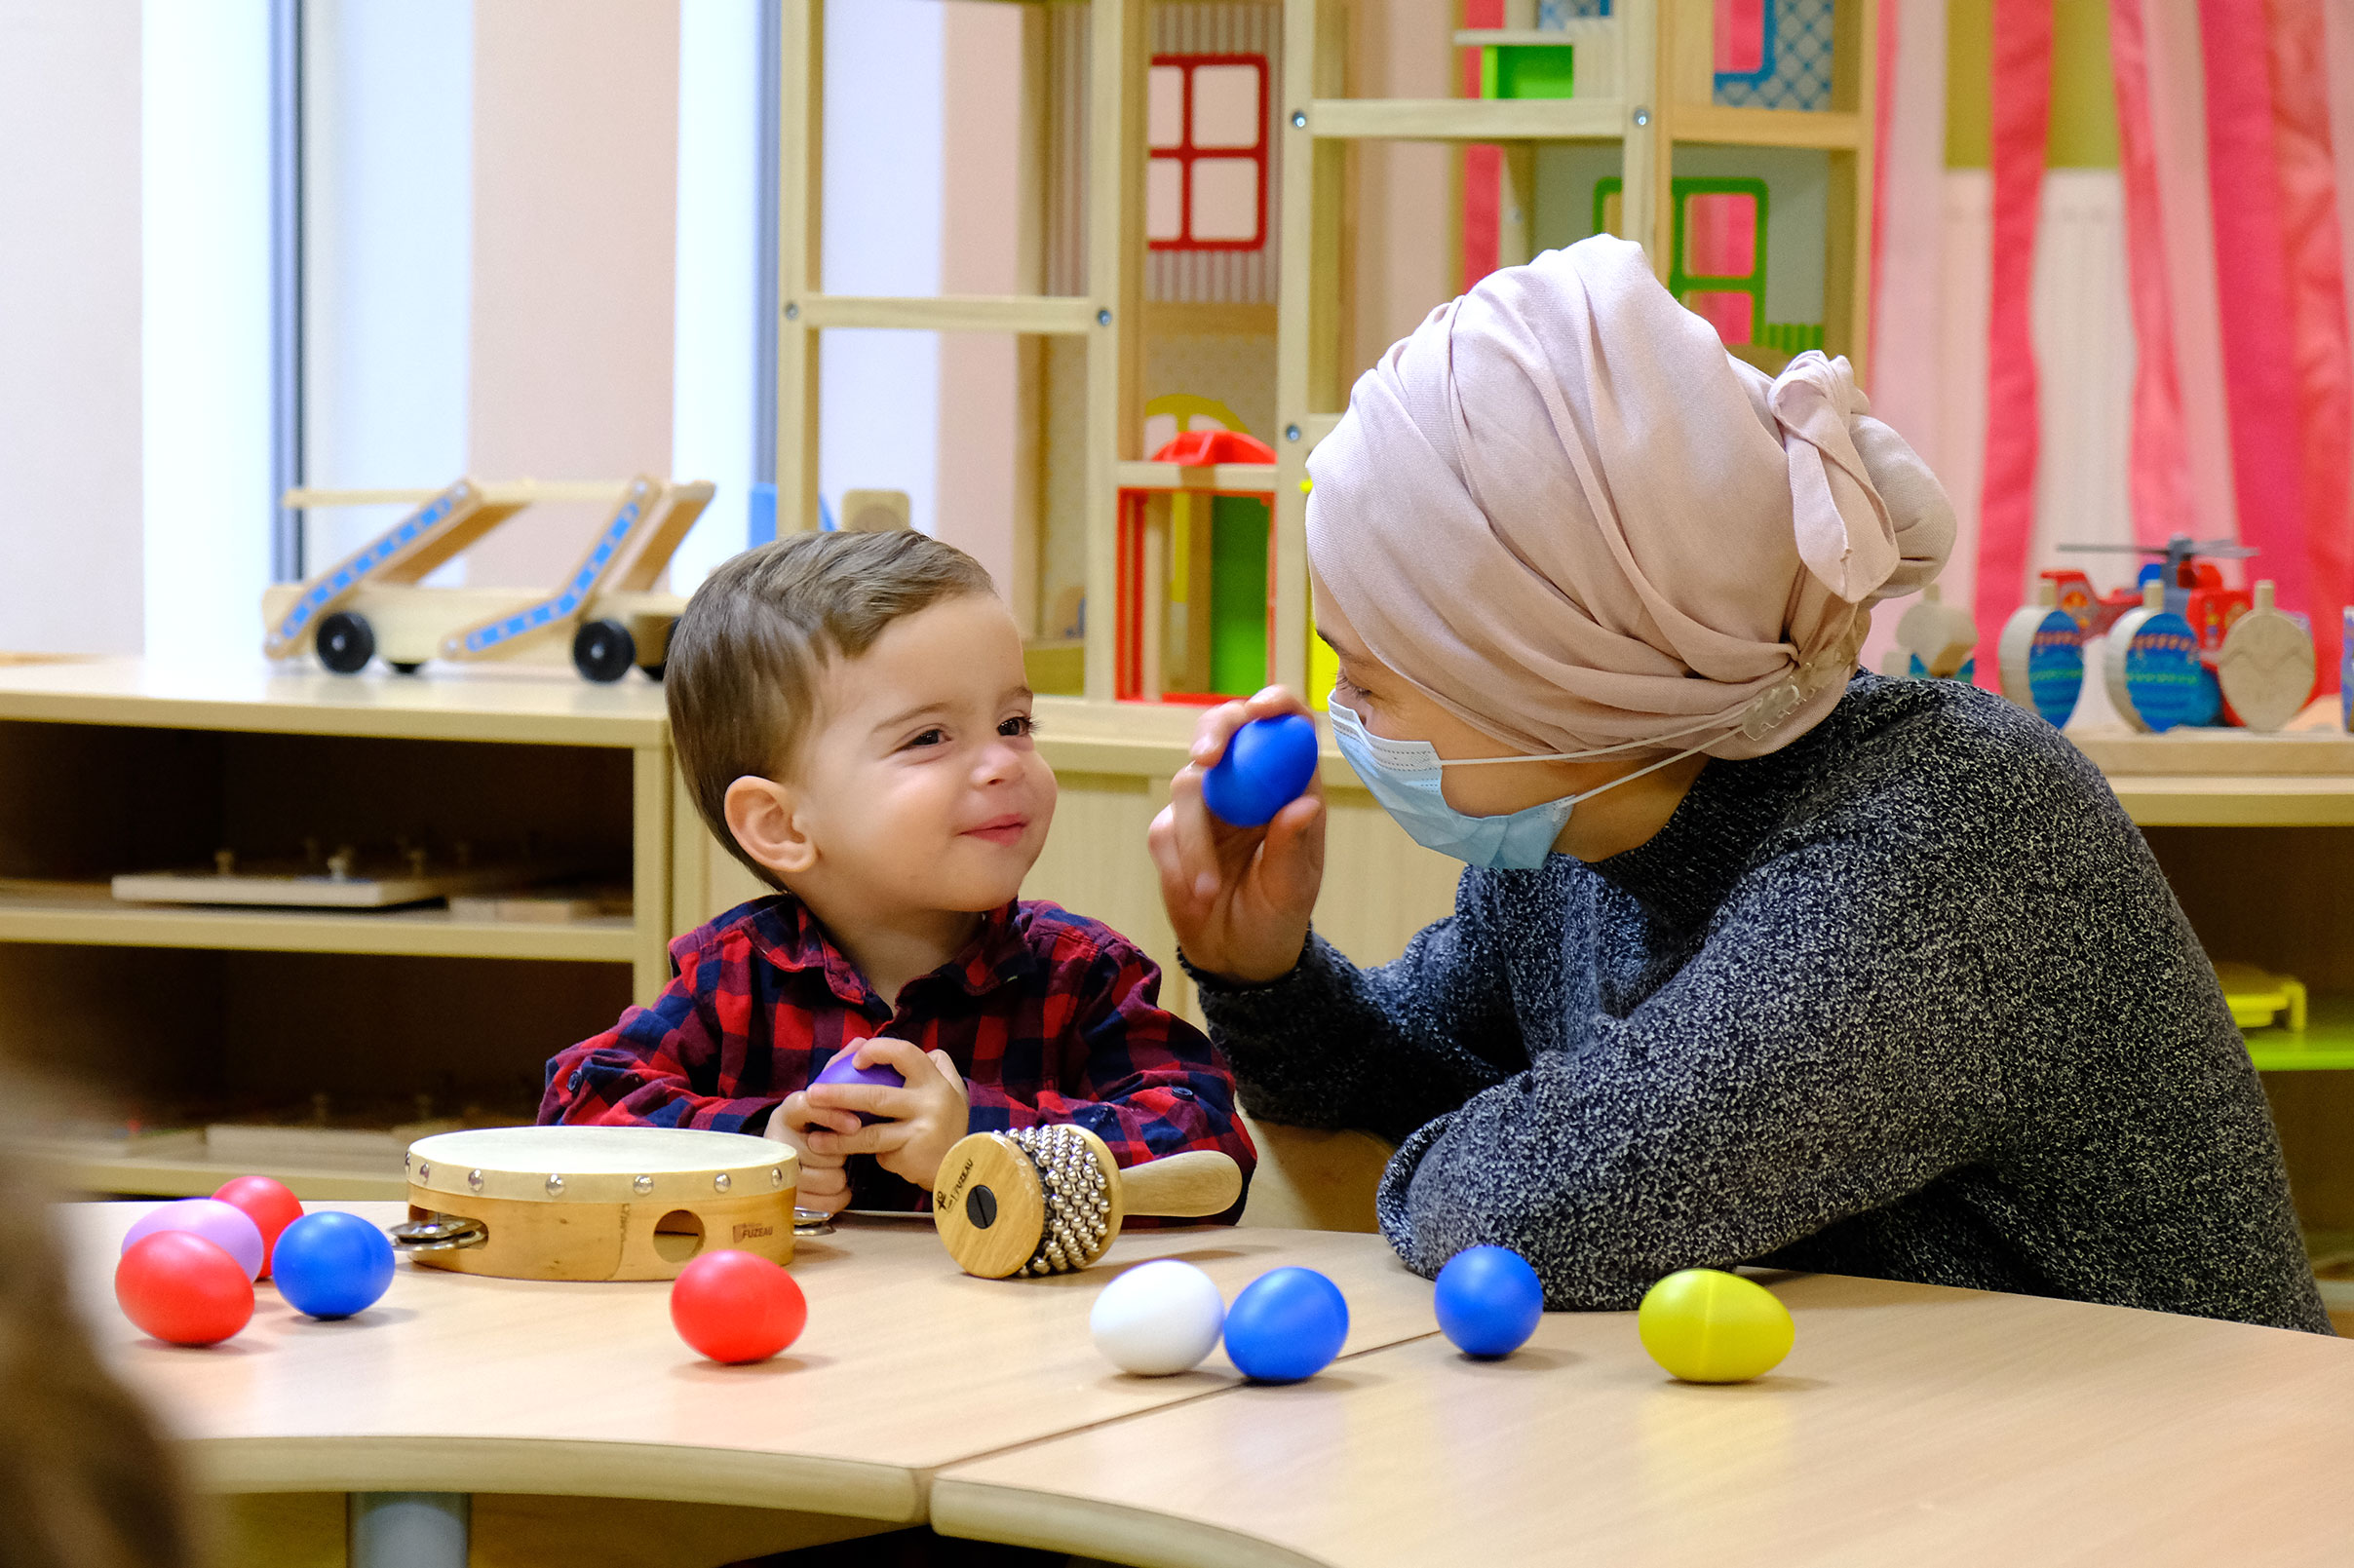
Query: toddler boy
x=851 y=716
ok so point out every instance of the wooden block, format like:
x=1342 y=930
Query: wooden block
x=296 y=885
x=874 y=512
x=547 y=907
x=2266 y=666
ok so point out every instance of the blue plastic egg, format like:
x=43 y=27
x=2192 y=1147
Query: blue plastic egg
x=332 y=1264
x=1267 y=764
x=1285 y=1325
x=1488 y=1301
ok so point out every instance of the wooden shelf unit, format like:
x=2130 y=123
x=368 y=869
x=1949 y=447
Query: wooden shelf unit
x=121 y=765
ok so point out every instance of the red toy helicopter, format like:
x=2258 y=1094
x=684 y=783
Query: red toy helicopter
x=2194 y=589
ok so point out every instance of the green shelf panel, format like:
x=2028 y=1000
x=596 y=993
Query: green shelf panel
x=2326 y=1043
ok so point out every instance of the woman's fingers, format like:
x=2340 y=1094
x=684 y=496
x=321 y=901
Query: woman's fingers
x=1213 y=729
x=1290 y=862
x=1270 y=701
x=1199 y=867
x=1216 y=727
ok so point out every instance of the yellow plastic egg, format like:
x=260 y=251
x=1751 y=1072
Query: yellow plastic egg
x=1705 y=1325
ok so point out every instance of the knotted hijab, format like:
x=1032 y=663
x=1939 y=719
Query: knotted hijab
x=1562 y=509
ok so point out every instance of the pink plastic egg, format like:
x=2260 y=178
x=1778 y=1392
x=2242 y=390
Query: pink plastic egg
x=224 y=1225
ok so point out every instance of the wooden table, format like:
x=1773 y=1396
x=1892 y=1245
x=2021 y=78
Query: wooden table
x=1911 y=1424
x=458 y=1384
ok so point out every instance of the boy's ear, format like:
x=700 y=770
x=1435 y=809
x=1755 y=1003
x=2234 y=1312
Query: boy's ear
x=761 y=813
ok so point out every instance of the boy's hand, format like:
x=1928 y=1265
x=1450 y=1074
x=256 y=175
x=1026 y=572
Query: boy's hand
x=824 y=1186
x=925 y=1117
x=1238 y=898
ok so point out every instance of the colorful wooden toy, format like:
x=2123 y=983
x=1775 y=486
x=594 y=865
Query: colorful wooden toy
x=1705 y=1325
x=1158 y=1319
x=374 y=602
x=1935 y=639
x=2259 y=999
x=2040 y=656
x=2151 y=666
x=2266 y=665
x=1050 y=1199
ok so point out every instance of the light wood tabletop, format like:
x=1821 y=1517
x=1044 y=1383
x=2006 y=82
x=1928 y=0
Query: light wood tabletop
x=1911 y=1424
x=455 y=1383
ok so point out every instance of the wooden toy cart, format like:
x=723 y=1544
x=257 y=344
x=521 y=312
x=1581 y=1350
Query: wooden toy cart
x=374 y=602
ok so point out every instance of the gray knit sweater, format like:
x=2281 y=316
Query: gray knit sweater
x=1909 y=998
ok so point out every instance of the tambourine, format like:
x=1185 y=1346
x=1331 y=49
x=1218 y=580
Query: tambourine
x=1050 y=1199
x=595 y=1203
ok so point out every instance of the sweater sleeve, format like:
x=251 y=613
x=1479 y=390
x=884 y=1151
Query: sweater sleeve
x=1330 y=1045
x=1766 y=1091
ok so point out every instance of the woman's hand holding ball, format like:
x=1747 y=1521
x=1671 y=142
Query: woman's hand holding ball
x=1238 y=898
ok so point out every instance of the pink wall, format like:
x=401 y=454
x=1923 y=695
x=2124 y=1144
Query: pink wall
x=575 y=203
x=1405 y=196
x=69 y=327
x=981 y=253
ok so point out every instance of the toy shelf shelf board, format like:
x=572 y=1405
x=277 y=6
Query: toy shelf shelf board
x=1048 y=315
x=530 y=706
x=1832 y=129
x=1573 y=30
x=2216 y=800
x=1480 y=120
x=1244 y=477
x=88 y=914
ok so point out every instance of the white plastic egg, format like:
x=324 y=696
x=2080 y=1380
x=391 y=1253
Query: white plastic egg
x=1158 y=1319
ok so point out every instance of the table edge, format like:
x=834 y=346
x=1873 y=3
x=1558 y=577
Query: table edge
x=1147 y=1538
x=657 y=1472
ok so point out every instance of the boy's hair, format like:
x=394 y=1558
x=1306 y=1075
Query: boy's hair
x=748 y=654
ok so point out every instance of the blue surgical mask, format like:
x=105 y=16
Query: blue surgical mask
x=1404 y=775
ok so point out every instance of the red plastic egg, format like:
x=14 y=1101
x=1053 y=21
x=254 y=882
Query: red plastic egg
x=735 y=1307
x=181 y=1287
x=268 y=1204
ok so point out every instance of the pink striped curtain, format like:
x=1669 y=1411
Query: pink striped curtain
x=2237 y=133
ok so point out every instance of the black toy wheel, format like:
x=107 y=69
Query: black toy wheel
x=346 y=642
x=603 y=650
x=406 y=666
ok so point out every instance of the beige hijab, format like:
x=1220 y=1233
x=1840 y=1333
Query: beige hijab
x=1565 y=512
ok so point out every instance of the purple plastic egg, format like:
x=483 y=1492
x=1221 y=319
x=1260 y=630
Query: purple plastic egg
x=224 y=1225
x=842 y=1070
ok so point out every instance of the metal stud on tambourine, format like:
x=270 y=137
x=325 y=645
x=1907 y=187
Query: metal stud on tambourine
x=1050 y=1199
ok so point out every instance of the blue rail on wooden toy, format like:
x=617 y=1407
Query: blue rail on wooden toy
x=400 y=537
x=570 y=599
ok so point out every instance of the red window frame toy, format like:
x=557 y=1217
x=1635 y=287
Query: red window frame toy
x=1185 y=154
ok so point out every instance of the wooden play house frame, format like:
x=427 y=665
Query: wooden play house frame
x=1644 y=78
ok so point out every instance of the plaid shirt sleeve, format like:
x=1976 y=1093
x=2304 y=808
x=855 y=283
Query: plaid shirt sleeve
x=672 y=1064
x=1147 y=1083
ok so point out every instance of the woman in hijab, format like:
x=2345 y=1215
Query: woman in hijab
x=1756 y=959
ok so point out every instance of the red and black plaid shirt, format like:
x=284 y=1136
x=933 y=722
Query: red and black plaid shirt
x=1049 y=1017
